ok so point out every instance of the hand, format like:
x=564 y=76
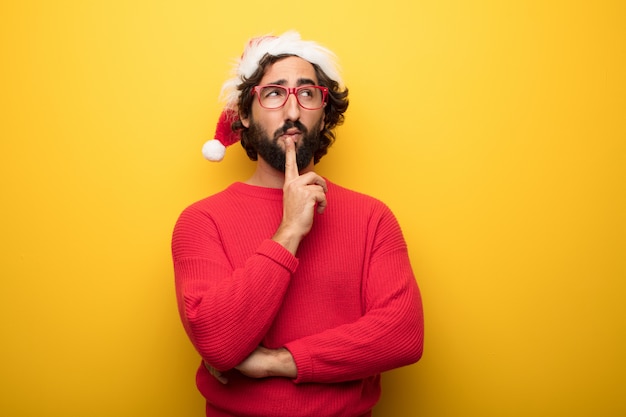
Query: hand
x=217 y=374
x=264 y=362
x=302 y=194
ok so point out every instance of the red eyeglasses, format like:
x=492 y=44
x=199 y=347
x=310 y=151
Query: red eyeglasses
x=272 y=96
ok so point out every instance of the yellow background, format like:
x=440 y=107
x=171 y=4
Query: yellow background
x=495 y=131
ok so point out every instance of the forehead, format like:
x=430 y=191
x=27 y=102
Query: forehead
x=289 y=71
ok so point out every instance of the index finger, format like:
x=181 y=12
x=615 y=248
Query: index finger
x=291 y=166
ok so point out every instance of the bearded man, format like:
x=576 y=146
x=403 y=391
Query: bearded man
x=297 y=293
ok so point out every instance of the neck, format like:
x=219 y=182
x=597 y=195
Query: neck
x=267 y=176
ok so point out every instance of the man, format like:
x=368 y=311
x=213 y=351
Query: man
x=296 y=292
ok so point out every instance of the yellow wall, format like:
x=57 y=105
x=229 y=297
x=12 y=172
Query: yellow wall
x=495 y=130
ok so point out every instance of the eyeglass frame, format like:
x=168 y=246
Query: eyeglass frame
x=291 y=90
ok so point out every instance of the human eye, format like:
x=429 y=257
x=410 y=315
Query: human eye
x=306 y=92
x=273 y=92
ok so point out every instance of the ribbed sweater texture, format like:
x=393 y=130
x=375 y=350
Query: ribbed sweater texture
x=347 y=306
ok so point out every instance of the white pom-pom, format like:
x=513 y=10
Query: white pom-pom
x=213 y=150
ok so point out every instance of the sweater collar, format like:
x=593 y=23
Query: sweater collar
x=256 y=191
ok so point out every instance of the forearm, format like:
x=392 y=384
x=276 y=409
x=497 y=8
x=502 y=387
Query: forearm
x=227 y=316
x=388 y=335
x=288 y=239
x=264 y=362
x=354 y=351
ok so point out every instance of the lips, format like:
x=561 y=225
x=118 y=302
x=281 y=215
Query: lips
x=294 y=130
x=294 y=134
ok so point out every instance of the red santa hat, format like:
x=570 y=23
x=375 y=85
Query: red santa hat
x=289 y=43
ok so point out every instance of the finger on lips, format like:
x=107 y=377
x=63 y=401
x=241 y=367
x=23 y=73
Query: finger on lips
x=291 y=166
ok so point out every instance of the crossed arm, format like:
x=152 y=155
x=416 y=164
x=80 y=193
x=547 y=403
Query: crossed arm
x=351 y=351
x=262 y=363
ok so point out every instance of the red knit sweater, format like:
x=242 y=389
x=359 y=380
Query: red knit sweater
x=347 y=307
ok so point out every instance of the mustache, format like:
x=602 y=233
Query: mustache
x=290 y=125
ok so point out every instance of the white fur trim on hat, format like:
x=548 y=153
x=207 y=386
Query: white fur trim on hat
x=289 y=43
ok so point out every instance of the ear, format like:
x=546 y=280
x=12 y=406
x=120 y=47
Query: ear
x=244 y=121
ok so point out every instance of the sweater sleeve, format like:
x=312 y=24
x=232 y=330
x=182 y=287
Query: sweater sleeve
x=226 y=311
x=390 y=332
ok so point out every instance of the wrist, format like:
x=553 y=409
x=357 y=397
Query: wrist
x=288 y=239
x=282 y=364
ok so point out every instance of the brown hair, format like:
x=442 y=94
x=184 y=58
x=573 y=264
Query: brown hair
x=337 y=104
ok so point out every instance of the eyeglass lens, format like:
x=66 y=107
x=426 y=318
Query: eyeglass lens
x=310 y=97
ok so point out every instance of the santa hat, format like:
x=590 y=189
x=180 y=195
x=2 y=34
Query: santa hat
x=288 y=43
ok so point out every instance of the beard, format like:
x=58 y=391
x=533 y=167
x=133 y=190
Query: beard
x=271 y=152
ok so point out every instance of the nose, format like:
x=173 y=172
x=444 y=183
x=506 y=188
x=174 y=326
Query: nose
x=292 y=108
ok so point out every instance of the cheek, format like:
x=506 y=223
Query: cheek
x=270 y=121
x=312 y=121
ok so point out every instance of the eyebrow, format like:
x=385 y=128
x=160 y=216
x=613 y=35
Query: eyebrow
x=301 y=81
